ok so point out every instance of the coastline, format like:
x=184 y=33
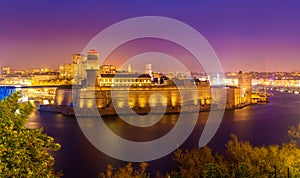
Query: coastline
x=70 y=111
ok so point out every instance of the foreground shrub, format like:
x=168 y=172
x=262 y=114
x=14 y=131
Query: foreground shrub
x=23 y=152
x=240 y=160
x=126 y=172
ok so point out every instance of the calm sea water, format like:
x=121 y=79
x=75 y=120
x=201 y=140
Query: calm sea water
x=260 y=124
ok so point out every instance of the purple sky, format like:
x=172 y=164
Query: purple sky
x=256 y=35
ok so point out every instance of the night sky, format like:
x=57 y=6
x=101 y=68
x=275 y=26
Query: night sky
x=254 y=35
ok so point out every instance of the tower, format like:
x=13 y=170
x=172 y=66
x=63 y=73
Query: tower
x=129 y=69
x=92 y=60
x=245 y=83
x=92 y=67
x=148 y=69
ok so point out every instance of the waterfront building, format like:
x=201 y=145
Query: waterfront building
x=234 y=98
x=204 y=91
x=285 y=83
x=44 y=79
x=80 y=64
x=14 y=79
x=32 y=71
x=245 y=83
x=75 y=70
x=66 y=71
x=124 y=79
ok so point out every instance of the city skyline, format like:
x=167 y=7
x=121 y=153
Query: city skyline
x=248 y=36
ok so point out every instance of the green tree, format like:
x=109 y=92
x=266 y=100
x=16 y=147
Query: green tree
x=127 y=171
x=23 y=152
x=246 y=160
x=212 y=171
x=241 y=159
x=191 y=163
x=244 y=170
x=241 y=156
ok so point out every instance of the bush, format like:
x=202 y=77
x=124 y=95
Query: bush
x=241 y=160
x=23 y=152
x=126 y=172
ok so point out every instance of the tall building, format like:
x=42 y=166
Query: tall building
x=76 y=58
x=66 y=71
x=79 y=61
x=245 y=83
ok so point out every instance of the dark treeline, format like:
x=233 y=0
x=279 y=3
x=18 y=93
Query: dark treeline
x=240 y=160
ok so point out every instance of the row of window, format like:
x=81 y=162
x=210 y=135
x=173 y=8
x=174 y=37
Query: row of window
x=124 y=80
x=123 y=84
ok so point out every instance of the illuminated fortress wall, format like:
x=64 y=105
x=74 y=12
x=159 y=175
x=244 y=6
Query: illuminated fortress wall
x=144 y=99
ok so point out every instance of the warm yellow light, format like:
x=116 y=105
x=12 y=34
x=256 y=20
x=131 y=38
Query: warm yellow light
x=89 y=103
x=121 y=104
x=142 y=101
x=132 y=102
x=174 y=100
x=45 y=102
x=81 y=104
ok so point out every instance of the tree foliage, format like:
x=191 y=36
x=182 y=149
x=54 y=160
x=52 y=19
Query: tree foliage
x=23 y=152
x=240 y=160
x=199 y=162
x=126 y=172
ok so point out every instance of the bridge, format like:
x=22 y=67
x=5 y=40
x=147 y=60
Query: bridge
x=42 y=94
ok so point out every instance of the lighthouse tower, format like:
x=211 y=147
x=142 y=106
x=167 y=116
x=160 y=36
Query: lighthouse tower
x=92 y=67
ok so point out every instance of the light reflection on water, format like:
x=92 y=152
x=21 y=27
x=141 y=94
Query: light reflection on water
x=242 y=114
x=260 y=124
x=34 y=121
